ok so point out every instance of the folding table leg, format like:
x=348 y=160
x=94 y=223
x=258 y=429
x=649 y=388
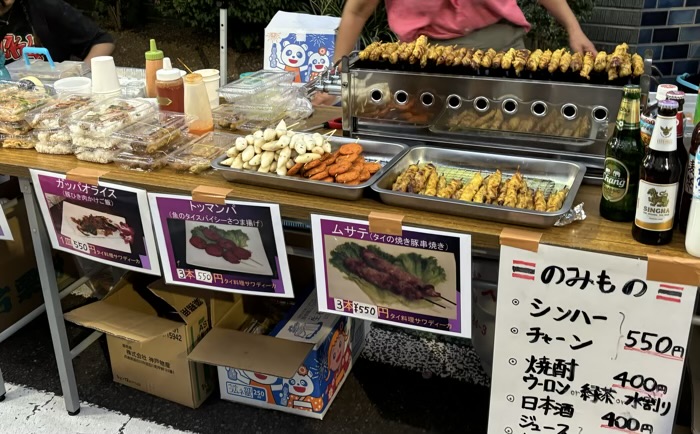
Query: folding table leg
x=2 y=387
x=52 y=301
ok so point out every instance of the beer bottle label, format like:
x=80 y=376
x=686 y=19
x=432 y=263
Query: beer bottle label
x=646 y=125
x=656 y=204
x=615 y=180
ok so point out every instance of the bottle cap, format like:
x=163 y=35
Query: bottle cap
x=668 y=105
x=676 y=95
x=632 y=89
x=167 y=64
x=154 y=53
x=663 y=89
x=171 y=74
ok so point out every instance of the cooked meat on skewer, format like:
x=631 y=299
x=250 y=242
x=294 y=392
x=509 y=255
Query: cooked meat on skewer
x=507 y=60
x=398 y=273
x=520 y=60
x=496 y=63
x=587 y=66
x=637 y=65
x=523 y=195
x=389 y=50
x=434 y=52
x=544 y=60
x=576 y=62
x=601 y=61
x=534 y=60
x=554 y=62
x=450 y=188
x=497 y=121
x=382 y=280
x=480 y=195
x=556 y=200
x=476 y=59
x=472 y=187
x=419 y=181
x=565 y=61
x=407 y=51
x=626 y=67
x=503 y=189
x=458 y=193
x=492 y=185
x=459 y=56
x=488 y=58
x=442 y=183
x=540 y=204
x=431 y=185
x=364 y=54
x=404 y=179
x=618 y=56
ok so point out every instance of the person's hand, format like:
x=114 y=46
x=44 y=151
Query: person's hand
x=323 y=98
x=579 y=42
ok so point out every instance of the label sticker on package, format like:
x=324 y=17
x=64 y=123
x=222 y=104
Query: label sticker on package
x=234 y=247
x=585 y=343
x=107 y=222
x=414 y=280
x=5 y=232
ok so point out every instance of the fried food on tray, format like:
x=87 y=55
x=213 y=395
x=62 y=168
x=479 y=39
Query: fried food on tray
x=540 y=203
x=601 y=61
x=565 y=62
x=480 y=195
x=576 y=62
x=543 y=63
x=419 y=181
x=556 y=200
x=404 y=179
x=492 y=185
x=472 y=188
x=487 y=60
x=496 y=63
x=554 y=61
x=587 y=66
x=534 y=60
x=520 y=60
x=364 y=54
x=476 y=59
x=450 y=189
x=626 y=67
x=431 y=185
x=637 y=65
x=507 y=60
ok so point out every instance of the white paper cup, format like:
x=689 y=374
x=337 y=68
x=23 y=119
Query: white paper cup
x=73 y=85
x=211 y=82
x=104 y=75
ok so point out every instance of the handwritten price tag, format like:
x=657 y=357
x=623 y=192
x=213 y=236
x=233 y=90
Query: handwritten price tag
x=81 y=247
x=203 y=276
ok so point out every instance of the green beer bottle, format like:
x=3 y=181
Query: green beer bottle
x=623 y=156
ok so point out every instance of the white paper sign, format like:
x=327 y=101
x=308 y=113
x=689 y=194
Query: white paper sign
x=585 y=344
x=5 y=233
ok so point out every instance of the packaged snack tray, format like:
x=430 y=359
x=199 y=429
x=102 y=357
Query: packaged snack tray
x=15 y=128
x=96 y=155
x=255 y=85
x=110 y=116
x=57 y=141
x=148 y=162
x=17 y=99
x=198 y=155
x=154 y=134
x=55 y=114
x=54 y=148
x=26 y=141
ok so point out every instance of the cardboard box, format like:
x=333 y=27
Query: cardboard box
x=300 y=43
x=20 y=287
x=298 y=368
x=149 y=352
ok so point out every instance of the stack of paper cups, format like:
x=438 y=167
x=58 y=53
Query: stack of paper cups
x=211 y=82
x=105 y=82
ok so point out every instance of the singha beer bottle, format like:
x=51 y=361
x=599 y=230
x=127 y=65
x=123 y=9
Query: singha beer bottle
x=658 y=183
x=623 y=157
x=681 y=152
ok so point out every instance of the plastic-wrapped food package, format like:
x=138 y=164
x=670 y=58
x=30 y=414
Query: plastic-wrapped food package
x=198 y=155
x=256 y=87
x=15 y=128
x=26 y=141
x=55 y=115
x=57 y=141
x=97 y=155
x=152 y=135
x=109 y=116
x=148 y=162
x=17 y=99
x=54 y=148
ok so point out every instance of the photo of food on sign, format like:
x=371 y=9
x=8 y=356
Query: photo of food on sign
x=93 y=224
x=391 y=276
x=223 y=247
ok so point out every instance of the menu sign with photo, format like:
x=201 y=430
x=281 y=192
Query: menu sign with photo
x=585 y=343
x=5 y=233
x=419 y=279
x=233 y=247
x=106 y=222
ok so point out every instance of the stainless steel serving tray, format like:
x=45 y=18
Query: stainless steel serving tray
x=383 y=152
x=547 y=174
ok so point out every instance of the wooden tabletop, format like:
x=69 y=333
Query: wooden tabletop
x=594 y=234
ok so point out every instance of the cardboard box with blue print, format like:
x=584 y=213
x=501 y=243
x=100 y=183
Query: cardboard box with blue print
x=300 y=43
x=150 y=330
x=298 y=367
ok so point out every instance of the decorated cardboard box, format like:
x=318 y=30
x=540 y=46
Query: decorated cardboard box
x=300 y=43
x=298 y=368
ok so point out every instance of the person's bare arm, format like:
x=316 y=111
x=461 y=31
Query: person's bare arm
x=561 y=11
x=104 y=49
x=355 y=15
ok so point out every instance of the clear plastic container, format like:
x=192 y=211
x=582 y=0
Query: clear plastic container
x=254 y=85
x=198 y=155
x=54 y=148
x=110 y=116
x=226 y=117
x=43 y=70
x=269 y=104
x=152 y=135
x=26 y=141
x=16 y=100
x=96 y=155
x=55 y=114
x=148 y=162
x=55 y=136
x=15 y=128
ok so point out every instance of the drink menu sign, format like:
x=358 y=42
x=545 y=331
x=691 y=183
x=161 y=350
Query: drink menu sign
x=5 y=233
x=419 y=279
x=585 y=343
x=233 y=246
x=104 y=222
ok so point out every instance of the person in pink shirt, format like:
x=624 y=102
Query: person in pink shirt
x=482 y=24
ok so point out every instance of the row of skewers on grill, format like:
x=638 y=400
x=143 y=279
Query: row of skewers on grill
x=618 y=64
x=425 y=179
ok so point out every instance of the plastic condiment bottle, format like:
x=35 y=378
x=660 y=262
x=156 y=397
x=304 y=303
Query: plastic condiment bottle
x=154 y=62
x=692 y=235
x=197 y=104
x=170 y=88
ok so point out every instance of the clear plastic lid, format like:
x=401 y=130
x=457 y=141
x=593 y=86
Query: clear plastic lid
x=227 y=117
x=25 y=141
x=153 y=134
x=148 y=162
x=43 y=70
x=269 y=101
x=110 y=116
x=255 y=83
x=14 y=128
x=198 y=155
x=55 y=136
x=96 y=155
x=55 y=114
x=17 y=99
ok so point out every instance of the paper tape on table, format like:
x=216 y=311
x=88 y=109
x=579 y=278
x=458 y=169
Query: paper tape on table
x=206 y=194
x=521 y=239
x=673 y=269
x=85 y=175
x=385 y=223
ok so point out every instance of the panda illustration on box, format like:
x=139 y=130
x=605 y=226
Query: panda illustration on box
x=292 y=57
x=319 y=62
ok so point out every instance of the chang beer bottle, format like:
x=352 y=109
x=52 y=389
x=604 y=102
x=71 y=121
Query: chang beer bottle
x=623 y=157
x=658 y=181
